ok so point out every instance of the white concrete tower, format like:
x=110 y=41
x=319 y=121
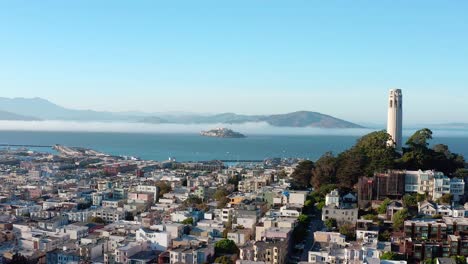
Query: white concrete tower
x=395 y=117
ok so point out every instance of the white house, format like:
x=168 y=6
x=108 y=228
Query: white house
x=149 y=189
x=180 y=216
x=430 y=208
x=332 y=198
x=156 y=240
x=75 y=231
x=441 y=186
x=427 y=208
x=297 y=197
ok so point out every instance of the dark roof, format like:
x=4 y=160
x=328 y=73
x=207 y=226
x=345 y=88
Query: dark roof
x=145 y=255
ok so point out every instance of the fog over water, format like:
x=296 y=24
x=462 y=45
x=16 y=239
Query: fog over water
x=258 y=128
x=160 y=141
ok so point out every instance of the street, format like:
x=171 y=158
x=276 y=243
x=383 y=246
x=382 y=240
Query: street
x=315 y=224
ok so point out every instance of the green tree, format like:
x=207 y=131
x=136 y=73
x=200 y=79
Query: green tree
x=323 y=190
x=330 y=223
x=163 y=188
x=224 y=260
x=385 y=236
x=421 y=197
x=382 y=209
x=282 y=174
x=459 y=259
x=444 y=160
x=446 y=198
x=399 y=219
x=301 y=175
x=379 y=156
x=372 y=217
x=324 y=171
x=415 y=160
x=320 y=205
x=388 y=255
x=419 y=156
x=187 y=221
x=348 y=231
x=303 y=219
x=234 y=180
x=461 y=173
x=350 y=166
x=409 y=200
x=221 y=197
x=193 y=201
x=226 y=246
x=220 y=193
x=420 y=139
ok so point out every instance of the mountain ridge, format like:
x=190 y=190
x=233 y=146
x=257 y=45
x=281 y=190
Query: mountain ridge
x=42 y=109
x=5 y=115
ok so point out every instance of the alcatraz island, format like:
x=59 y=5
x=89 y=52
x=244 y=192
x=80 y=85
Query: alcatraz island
x=222 y=133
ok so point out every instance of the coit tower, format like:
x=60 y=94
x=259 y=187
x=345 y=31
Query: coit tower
x=395 y=116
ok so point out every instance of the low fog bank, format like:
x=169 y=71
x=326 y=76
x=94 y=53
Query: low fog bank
x=246 y=128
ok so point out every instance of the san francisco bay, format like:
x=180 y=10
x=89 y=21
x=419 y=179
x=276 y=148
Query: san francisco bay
x=193 y=147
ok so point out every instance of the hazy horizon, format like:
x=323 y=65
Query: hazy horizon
x=246 y=57
x=252 y=128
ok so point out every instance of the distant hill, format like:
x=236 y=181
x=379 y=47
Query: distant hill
x=38 y=108
x=45 y=109
x=295 y=119
x=4 y=115
x=308 y=119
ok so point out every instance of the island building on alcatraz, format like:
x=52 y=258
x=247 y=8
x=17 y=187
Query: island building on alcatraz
x=395 y=118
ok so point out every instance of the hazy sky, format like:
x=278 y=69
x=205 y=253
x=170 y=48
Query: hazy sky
x=334 y=57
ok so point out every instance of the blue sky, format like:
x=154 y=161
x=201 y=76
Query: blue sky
x=334 y=57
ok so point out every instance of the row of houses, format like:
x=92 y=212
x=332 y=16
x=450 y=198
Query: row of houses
x=394 y=184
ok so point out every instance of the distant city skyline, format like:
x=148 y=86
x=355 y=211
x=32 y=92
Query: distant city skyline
x=247 y=57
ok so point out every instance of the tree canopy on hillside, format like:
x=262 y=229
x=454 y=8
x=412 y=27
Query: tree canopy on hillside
x=301 y=175
x=226 y=246
x=372 y=154
x=379 y=156
x=324 y=171
x=418 y=155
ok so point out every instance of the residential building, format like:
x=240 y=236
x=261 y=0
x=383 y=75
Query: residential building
x=270 y=252
x=341 y=215
x=332 y=198
x=191 y=255
x=156 y=240
x=149 y=189
x=65 y=256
